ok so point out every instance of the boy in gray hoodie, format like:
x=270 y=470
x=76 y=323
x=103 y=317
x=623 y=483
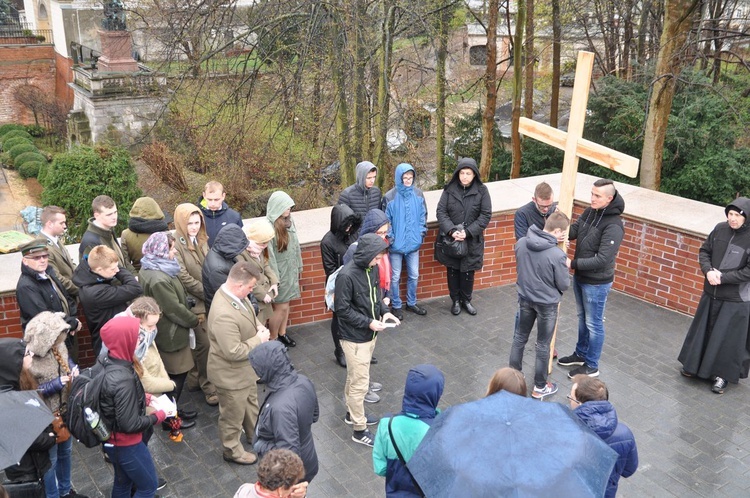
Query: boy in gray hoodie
x=543 y=275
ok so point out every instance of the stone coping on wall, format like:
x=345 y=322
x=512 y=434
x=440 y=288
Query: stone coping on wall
x=669 y=211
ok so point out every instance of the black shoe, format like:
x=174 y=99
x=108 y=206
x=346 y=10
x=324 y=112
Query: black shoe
x=286 y=341
x=72 y=494
x=373 y=361
x=584 y=370
x=456 y=308
x=416 y=309
x=398 y=313
x=187 y=414
x=162 y=483
x=184 y=424
x=340 y=358
x=469 y=308
x=719 y=385
x=571 y=361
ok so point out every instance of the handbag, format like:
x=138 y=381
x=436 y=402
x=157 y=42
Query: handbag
x=454 y=248
x=61 y=430
x=401 y=458
x=29 y=489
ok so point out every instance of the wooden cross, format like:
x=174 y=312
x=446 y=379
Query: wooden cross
x=575 y=146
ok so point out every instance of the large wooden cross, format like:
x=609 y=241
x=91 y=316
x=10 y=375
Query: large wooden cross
x=575 y=146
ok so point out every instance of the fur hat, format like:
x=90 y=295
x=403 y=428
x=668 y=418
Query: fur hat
x=260 y=231
x=44 y=331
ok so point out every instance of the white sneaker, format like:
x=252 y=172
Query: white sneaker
x=547 y=390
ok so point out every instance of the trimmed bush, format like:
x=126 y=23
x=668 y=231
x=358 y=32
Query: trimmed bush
x=43 y=171
x=28 y=157
x=9 y=127
x=30 y=169
x=16 y=133
x=6 y=160
x=13 y=141
x=20 y=149
x=35 y=130
x=77 y=176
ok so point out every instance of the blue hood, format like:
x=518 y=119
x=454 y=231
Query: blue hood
x=424 y=387
x=374 y=219
x=600 y=416
x=399 y=182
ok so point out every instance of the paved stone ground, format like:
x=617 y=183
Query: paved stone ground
x=691 y=442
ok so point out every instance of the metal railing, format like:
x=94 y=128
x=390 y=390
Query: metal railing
x=21 y=34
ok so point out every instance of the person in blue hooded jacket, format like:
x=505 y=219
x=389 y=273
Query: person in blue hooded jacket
x=406 y=209
x=589 y=400
x=424 y=387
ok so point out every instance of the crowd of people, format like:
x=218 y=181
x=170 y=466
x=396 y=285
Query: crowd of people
x=206 y=308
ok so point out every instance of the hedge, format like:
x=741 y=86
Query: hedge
x=30 y=169
x=20 y=149
x=9 y=127
x=13 y=141
x=15 y=133
x=28 y=157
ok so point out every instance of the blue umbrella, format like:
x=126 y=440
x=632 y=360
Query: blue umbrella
x=510 y=446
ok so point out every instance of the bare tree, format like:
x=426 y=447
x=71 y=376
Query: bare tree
x=490 y=85
x=515 y=136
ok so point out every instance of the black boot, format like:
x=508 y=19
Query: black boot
x=340 y=358
x=456 y=308
x=469 y=308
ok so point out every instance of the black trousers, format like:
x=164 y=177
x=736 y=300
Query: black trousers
x=179 y=381
x=335 y=334
x=460 y=284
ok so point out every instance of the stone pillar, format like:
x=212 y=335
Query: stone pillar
x=117 y=52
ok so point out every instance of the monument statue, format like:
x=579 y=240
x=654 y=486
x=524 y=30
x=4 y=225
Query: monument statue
x=114 y=16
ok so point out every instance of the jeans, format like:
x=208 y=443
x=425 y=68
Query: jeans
x=546 y=316
x=412 y=271
x=590 y=302
x=57 y=478
x=133 y=466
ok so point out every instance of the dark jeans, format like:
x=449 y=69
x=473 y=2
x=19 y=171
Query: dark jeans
x=133 y=467
x=335 y=334
x=546 y=316
x=460 y=284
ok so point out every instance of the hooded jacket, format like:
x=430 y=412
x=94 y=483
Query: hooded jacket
x=36 y=294
x=728 y=251
x=601 y=417
x=338 y=239
x=35 y=462
x=406 y=210
x=542 y=273
x=146 y=217
x=358 y=300
x=598 y=233
x=357 y=196
x=374 y=220
x=102 y=298
x=424 y=387
x=230 y=243
x=44 y=335
x=470 y=206
x=216 y=220
x=527 y=216
x=290 y=408
x=191 y=256
x=122 y=402
x=287 y=265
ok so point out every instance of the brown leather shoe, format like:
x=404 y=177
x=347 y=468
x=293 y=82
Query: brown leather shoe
x=246 y=458
x=212 y=399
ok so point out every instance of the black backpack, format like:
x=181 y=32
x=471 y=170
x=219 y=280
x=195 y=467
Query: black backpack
x=84 y=393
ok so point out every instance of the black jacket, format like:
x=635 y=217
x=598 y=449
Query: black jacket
x=471 y=206
x=35 y=462
x=103 y=298
x=728 y=251
x=122 y=402
x=528 y=216
x=598 y=233
x=337 y=240
x=216 y=220
x=290 y=408
x=229 y=243
x=36 y=294
x=359 y=198
x=358 y=300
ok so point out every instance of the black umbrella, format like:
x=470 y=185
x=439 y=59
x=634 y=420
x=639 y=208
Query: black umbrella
x=23 y=416
x=510 y=446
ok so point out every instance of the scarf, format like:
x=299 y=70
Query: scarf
x=156 y=255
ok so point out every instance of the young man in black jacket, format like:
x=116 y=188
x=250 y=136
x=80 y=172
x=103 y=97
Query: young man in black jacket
x=598 y=233
x=361 y=314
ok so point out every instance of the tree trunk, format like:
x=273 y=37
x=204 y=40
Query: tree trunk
x=490 y=85
x=678 y=17
x=442 y=54
x=528 y=108
x=515 y=137
x=643 y=31
x=556 y=35
x=346 y=160
x=360 y=111
x=384 y=75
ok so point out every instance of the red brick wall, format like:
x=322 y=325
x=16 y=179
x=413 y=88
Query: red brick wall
x=63 y=76
x=656 y=264
x=24 y=64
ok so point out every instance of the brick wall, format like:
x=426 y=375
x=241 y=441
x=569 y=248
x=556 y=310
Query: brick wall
x=656 y=264
x=19 y=65
x=63 y=76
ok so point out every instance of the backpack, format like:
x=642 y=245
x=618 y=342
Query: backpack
x=84 y=393
x=330 y=291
